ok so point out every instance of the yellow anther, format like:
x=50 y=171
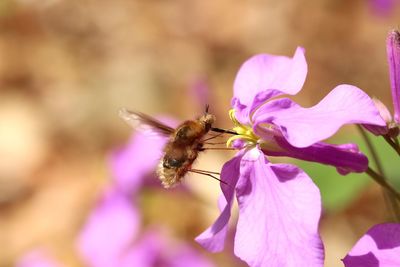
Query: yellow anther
x=244 y=132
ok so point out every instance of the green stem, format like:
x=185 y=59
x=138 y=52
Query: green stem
x=396 y=141
x=371 y=150
x=395 y=146
x=389 y=197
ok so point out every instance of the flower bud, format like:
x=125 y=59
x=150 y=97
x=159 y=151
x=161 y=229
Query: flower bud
x=393 y=54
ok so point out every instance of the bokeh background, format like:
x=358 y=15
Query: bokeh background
x=67 y=66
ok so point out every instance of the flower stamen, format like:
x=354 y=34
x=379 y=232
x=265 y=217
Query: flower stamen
x=244 y=132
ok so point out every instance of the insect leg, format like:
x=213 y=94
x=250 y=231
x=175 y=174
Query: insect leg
x=208 y=174
x=219 y=143
x=212 y=137
x=197 y=170
x=217 y=148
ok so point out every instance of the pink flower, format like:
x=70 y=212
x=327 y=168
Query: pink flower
x=111 y=237
x=113 y=234
x=262 y=78
x=279 y=205
x=393 y=53
x=154 y=249
x=380 y=246
x=37 y=258
x=109 y=231
x=283 y=128
x=132 y=163
x=279 y=211
x=383 y=7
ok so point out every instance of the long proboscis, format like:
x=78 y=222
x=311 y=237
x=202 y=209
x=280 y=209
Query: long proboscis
x=219 y=130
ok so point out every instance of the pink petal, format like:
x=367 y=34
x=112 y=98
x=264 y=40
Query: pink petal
x=346 y=157
x=186 y=256
x=145 y=252
x=213 y=238
x=383 y=7
x=279 y=212
x=393 y=54
x=154 y=249
x=386 y=116
x=380 y=246
x=367 y=260
x=37 y=258
x=200 y=92
x=264 y=76
x=303 y=127
x=263 y=72
x=110 y=228
x=130 y=164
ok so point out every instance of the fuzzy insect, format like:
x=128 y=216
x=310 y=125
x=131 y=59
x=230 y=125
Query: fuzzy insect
x=184 y=144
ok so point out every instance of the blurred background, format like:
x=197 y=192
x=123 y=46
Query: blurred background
x=67 y=66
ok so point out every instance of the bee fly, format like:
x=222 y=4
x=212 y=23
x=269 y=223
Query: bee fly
x=184 y=144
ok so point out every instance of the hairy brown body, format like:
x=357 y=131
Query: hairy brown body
x=184 y=144
x=182 y=149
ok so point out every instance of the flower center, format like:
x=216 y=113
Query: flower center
x=244 y=132
x=248 y=138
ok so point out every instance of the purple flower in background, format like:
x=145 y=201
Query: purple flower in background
x=37 y=258
x=380 y=246
x=382 y=7
x=111 y=238
x=112 y=234
x=109 y=230
x=279 y=205
x=132 y=163
x=153 y=249
x=200 y=92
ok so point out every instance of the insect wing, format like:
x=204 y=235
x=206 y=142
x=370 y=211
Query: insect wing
x=144 y=123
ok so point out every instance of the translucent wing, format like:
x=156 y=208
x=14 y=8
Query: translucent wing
x=144 y=123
